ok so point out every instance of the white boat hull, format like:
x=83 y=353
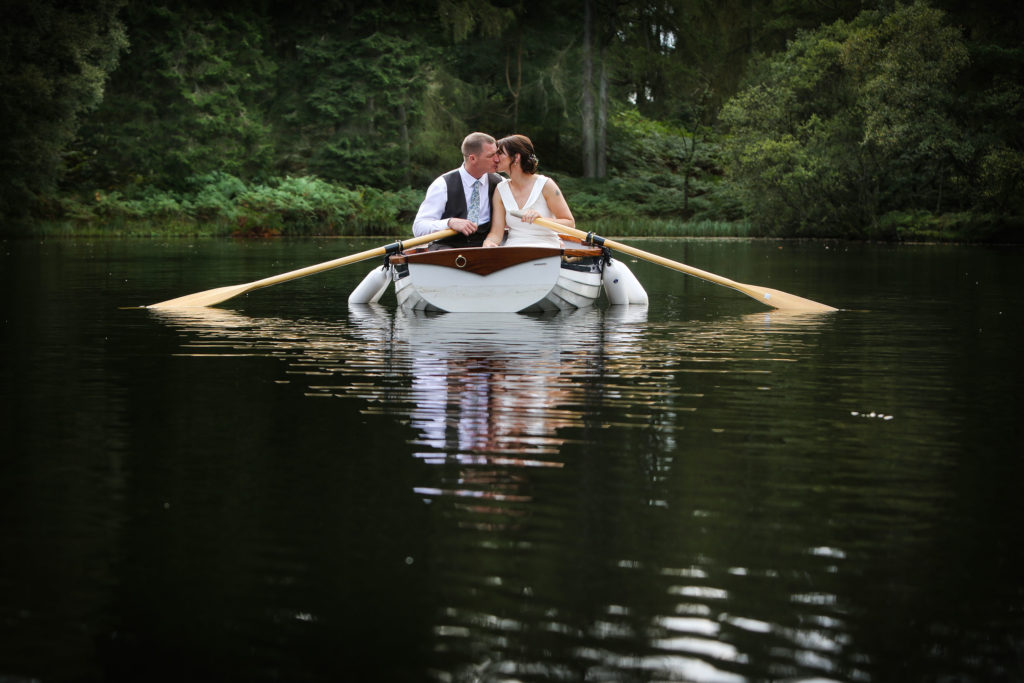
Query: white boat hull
x=471 y=281
x=513 y=289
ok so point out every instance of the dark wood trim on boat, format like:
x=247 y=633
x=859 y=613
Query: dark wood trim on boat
x=484 y=260
x=583 y=251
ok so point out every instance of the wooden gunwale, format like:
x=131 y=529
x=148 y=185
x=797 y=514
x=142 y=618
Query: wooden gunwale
x=484 y=261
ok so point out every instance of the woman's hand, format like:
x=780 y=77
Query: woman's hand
x=488 y=242
x=530 y=215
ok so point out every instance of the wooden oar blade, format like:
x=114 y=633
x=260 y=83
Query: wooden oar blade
x=214 y=296
x=784 y=301
x=208 y=298
x=770 y=297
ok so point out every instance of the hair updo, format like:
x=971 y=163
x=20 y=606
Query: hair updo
x=521 y=145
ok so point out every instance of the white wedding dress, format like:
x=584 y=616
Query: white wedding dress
x=521 y=233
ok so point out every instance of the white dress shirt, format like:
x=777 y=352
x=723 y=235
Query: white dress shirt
x=428 y=218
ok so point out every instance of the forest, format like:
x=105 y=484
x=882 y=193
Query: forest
x=857 y=119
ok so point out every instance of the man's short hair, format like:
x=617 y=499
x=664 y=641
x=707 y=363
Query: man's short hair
x=474 y=143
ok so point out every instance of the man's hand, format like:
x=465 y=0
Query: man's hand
x=462 y=225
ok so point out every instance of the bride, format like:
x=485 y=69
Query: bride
x=527 y=191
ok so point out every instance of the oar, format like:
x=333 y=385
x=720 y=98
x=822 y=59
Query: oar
x=769 y=297
x=215 y=296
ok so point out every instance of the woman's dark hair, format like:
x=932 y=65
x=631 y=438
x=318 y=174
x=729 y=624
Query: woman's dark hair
x=521 y=145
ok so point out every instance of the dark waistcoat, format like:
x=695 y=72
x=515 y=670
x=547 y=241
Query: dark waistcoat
x=456 y=207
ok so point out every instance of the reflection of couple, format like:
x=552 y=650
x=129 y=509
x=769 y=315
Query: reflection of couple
x=476 y=202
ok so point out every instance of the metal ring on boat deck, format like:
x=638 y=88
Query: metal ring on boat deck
x=460 y=261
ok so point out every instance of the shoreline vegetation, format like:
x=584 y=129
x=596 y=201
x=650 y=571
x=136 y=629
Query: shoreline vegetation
x=220 y=205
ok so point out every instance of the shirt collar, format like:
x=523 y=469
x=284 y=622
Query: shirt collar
x=467 y=179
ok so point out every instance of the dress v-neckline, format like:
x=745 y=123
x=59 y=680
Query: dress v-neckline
x=529 y=195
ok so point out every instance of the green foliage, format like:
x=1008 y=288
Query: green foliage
x=995 y=179
x=639 y=142
x=464 y=17
x=852 y=121
x=219 y=203
x=260 y=118
x=214 y=195
x=54 y=62
x=659 y=171
x=360 y=105
x=948 y=227
x=306 y=205
x=188 y=101
x=385 y=212
x=1002 y=180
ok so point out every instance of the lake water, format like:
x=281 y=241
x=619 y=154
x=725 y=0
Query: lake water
x=281 y=488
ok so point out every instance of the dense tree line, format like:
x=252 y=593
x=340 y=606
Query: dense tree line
x=816 y=117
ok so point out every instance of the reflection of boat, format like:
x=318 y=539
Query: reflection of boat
x=486 y=395
x=503 y=279
x=533 y=336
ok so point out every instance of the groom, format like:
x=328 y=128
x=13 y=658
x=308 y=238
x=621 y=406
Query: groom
x=461 y=199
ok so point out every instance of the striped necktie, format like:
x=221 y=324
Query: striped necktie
x=474 y=203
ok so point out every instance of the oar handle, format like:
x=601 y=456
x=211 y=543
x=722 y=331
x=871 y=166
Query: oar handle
x=625 y=248
x=392 y=248
x=632 y=251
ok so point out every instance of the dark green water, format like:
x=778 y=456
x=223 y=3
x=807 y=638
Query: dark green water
x=285 y=489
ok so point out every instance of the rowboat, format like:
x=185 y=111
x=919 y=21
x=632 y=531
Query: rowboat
x=502 y=279
x=510 y=280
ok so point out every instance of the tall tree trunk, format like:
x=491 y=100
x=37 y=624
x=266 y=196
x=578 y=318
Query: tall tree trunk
x=518 y=88
x=587 y=132
x=601 y=144
x=403 y=118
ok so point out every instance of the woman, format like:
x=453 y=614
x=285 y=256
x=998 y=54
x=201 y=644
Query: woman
x=527 y=191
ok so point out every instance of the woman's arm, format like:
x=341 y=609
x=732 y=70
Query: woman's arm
x=556 y=202
x=497 y=233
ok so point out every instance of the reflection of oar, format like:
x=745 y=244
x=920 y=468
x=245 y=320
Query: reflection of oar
x=215 y=296
x=769 y=297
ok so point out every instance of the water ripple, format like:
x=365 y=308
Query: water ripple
x=499 y=407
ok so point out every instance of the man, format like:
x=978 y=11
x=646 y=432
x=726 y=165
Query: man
x=461 y=198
